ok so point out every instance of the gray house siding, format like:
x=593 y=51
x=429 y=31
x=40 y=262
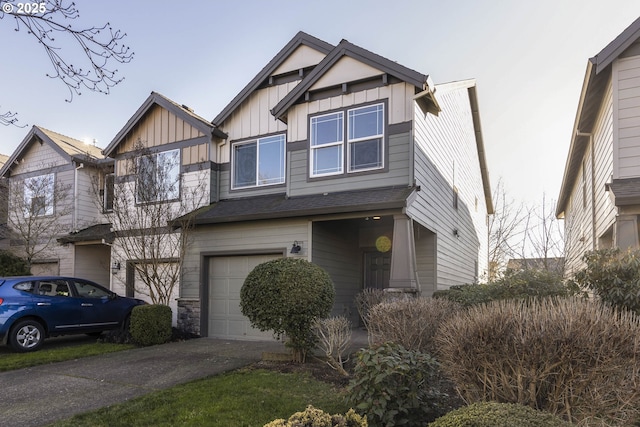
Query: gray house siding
x=446 y=162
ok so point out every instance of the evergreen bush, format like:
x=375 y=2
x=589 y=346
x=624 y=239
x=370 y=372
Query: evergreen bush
x=11 y=265
x=150 y=324
x=493 y=414
x=514 y=284
x=286 y=296
x=614 y=276
x=394 y=386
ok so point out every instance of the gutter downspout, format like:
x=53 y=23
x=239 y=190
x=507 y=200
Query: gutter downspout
x=75 y=197
x=593 y=187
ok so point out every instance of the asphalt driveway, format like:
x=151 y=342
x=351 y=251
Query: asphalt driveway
x=43 y=394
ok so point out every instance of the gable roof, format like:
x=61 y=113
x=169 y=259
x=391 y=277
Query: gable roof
x=181 y=111
x=67 y=147
x=301 y=38
x=344 y=48
x=3 y=159
x=593 y=87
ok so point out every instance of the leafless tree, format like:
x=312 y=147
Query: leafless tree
x=148 y=210
x=38 y=214
x=91 y=54
x=544 y=234
x=506 y=230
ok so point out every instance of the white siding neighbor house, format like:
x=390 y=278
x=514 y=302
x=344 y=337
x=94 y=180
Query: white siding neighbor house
x=51 y=204
x=347 y=159
x=600 y=194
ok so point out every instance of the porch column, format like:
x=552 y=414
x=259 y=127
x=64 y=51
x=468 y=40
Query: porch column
x=403 y=255
x=626 y=231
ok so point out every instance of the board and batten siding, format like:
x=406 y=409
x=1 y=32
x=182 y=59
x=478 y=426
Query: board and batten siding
x=240 y=238
x=158 y=127
x=88 y=202
x=445 y=157
x=626 y=96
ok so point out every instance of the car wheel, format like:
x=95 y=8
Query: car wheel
x=26 y=335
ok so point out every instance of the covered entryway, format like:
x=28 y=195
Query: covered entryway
x=226 y=275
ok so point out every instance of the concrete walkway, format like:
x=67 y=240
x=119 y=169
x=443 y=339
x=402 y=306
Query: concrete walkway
x=43 y=394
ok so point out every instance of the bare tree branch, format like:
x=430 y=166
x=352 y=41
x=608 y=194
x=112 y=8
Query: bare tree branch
x=51 y=23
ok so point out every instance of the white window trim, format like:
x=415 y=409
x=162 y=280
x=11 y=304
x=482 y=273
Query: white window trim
x=345 y=143
x=257 y=183
x=179 y=164
x=49 y=200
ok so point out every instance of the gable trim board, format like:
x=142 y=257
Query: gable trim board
x=299 y=39
x=347 y=49
x=182 y=112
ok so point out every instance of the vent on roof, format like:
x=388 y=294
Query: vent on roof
x=187 y=108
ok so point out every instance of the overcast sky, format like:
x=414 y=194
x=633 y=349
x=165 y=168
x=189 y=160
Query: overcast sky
x=528 y=57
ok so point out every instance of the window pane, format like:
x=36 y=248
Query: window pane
x=365 y=154
x=326 y=129
x=168 y=175
x=38 y=195
x=327 y=160
x=108 y=192
x=271 y=152
x=366 y=122
x=244 y=165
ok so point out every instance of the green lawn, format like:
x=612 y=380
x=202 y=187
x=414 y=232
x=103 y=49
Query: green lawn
x=243 y=398
x=10 y=361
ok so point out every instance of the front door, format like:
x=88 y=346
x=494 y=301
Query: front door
x=377 y=269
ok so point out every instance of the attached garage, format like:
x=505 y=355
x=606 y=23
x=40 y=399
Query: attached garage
x=224 y=278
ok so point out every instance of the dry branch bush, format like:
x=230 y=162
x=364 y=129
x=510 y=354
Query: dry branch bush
x=411 y=322
x=572 y=357
x=334 y=336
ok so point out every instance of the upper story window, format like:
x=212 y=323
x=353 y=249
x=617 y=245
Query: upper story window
x=364 y=128
x=258 y=162
x=158 y=177
x=38 y=195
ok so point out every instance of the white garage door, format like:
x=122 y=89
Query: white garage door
x=226 y=276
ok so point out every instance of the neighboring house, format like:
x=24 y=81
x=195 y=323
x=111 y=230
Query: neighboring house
x=339 y=156
x=4 y=242
x=163 y=170
x=552 y=265
x=600 y=194
x=50 y=179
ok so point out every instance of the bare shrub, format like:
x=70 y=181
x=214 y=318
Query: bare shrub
x=366 y=299
x=572 y=357
x=334 y=336
x=411 y=322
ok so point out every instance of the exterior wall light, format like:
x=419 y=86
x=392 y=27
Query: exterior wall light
x=295 y=249
x=115 y=267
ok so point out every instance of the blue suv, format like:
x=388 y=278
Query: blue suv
x=35 y=307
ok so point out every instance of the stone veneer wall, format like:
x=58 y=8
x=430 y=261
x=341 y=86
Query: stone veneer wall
x=189 y=315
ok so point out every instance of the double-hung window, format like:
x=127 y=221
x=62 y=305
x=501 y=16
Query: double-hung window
x=158 y=177
x=364 y=145
x=38 y=195
x=258 y=162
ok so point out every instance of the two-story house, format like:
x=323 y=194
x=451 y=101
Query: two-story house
x=347 y=159
x=50 y=179
x=163 y=169
x=600 y=193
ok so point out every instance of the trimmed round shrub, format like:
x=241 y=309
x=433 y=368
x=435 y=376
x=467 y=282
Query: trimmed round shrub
x=286 y=296
x=394 y=386
x=572 y=357
x=150 y=324
x=410 y=322
x=312 y=417
x=11 y=265
x=493 y=414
